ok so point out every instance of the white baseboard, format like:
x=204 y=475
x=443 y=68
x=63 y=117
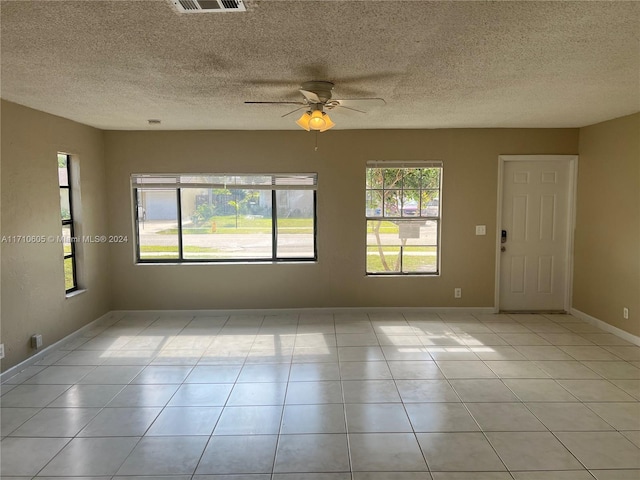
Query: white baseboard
x=318 y=310
x=629 y=337
x=103 y=321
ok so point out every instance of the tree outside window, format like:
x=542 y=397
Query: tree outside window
x=403 y=217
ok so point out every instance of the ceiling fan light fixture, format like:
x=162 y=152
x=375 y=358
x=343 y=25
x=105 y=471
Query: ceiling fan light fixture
x=315 y=120
x=303 y=121
x=328 y=123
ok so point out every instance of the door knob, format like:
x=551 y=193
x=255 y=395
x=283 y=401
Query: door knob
x=503 y=248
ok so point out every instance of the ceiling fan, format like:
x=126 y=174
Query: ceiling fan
x=317 y=97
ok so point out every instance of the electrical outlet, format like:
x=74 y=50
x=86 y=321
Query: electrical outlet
x=481 y=229
x=1 y=351
x=457 y=293
x=625 y=313
x=36 y=341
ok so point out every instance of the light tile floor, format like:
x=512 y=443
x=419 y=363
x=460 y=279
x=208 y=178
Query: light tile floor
x=384 y=396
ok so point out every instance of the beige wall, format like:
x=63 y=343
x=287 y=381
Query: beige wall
x=33 y=292
x=607 y=240
x=337 y=280
x=607 y=257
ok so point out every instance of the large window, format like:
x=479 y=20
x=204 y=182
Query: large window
x=68 y=231
x=403 y=217
x=231 y=217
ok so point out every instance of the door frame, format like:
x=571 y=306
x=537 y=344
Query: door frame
x=571 y=218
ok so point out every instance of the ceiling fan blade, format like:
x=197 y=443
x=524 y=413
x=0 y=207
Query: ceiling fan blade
x=357 y=91
x=276 y=103
x=293 y=111
x=311 y=96
x=349 y=108
x=359 y=103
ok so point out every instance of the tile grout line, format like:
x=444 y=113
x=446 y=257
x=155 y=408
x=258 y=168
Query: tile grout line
x=291 y=363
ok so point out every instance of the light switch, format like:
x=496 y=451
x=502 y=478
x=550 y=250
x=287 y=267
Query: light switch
x=481 y=229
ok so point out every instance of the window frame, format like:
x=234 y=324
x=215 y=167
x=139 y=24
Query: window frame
x=178 y=186
x=401 y=217
x=70 y=222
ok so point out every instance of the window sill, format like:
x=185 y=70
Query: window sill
x=402 y=275
x=75 y=293
x=209 y=264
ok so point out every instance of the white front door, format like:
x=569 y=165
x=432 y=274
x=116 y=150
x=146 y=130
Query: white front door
x=536 y=218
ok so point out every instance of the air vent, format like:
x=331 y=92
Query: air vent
x=202 y=6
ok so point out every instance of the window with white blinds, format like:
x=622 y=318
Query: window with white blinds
x=224 y=217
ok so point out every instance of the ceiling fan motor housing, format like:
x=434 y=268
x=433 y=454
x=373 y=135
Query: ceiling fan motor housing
x=321 y=88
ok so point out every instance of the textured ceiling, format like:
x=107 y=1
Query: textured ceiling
x=115 y=64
